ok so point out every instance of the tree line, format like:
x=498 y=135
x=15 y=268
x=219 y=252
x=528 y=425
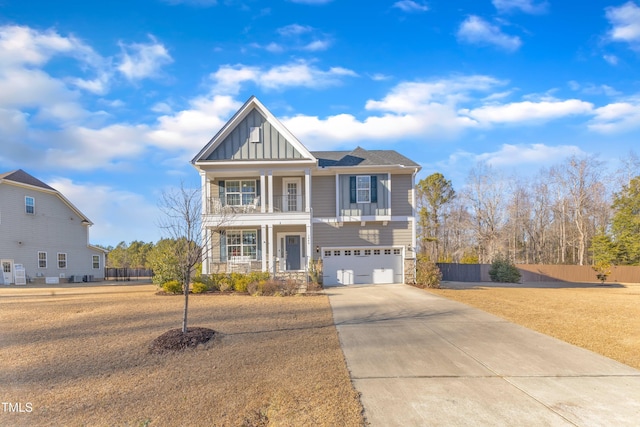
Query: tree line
x=575 y=212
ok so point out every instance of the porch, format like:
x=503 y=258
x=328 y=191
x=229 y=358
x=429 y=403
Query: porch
x=280 y=249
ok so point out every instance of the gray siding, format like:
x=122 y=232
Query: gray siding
x=324 y=196
x=401 y=195
x=395 y=233
x=54 y=228
x=272 y=145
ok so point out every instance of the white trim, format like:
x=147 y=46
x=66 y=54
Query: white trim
x=66 y=261
x=263 y=245
x=281 y=254
x=307 y=190
x=337 y=195
x=46 y=261
x=251 y=104
x=270 y=185
x=285 y=201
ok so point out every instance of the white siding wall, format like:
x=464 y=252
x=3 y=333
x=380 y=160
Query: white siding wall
x=54 y=228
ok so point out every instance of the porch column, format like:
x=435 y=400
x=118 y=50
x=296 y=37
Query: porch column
x=264 y=246
x=307 y=191
x=204 y=191
x=206 y=252
x=270 y=190
x=310 y=253
x=263 y=205
x=272 y=249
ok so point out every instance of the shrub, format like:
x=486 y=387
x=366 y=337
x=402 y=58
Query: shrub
x=199 y=287
x=504 y=271
x=273 y=287
x=172 y=287
x=428 y=275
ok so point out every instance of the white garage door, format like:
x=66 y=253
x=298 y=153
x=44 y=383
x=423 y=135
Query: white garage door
x=349 y=266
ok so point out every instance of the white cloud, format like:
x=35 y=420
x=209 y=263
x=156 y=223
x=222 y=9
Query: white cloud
x=513 y=155
x=411 y=6
x=475 y=30
x=317 y=45
x=411 y=109
x=611 y=59
x=297 y=37
x=143 y=60
x=189 y=130
x=526 y=111
x=104 y=205
x=527 y=6
x=294 y=30
x=625 y=21
x=412 y=96
x=616 y=117
x=228 y=79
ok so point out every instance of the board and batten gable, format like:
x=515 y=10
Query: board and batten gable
x=53 y=228
x=272 y=145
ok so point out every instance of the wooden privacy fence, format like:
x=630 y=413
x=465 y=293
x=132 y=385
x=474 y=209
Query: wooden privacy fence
x=540 y=273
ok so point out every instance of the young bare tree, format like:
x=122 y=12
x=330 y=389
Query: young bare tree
x=182 y=209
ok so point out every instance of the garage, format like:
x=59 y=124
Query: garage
x=353 y=266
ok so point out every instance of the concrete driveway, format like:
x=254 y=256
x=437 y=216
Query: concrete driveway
x=422 y=360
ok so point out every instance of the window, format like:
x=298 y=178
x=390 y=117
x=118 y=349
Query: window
x=347 y=253
x=376 y=251
x=363 y=189
x=30 y=205
x=62 y=260
x=387 y=251
x=367 y=252
x=240 y=193
x=356 y=252
x=396 y=251
x=327 y=253
x=95 y=261
x=336 y=253
x=242 y=243
x=363 y=186
x=42 y=260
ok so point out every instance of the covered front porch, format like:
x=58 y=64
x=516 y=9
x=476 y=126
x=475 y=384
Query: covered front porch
x=280 y=249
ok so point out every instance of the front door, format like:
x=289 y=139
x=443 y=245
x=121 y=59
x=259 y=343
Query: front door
x=7 y=271
x=292 y=198
x=293 y=252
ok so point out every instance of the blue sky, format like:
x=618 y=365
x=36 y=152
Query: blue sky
x=108 y=101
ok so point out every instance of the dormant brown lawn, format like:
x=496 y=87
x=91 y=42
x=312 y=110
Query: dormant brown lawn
x=603 y=319
x=79 y=356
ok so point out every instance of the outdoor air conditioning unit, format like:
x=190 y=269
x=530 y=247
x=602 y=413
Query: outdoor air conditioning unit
x=75 y=279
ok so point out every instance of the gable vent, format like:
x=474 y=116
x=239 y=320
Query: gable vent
x=254 y=134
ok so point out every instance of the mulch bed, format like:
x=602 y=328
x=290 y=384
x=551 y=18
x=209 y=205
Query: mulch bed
x=175 y=340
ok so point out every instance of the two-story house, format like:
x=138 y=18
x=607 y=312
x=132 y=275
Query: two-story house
x=270 y=204
x=43 y=236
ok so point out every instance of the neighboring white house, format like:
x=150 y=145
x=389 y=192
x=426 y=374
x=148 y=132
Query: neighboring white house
x=270 y=204
x=43 y=236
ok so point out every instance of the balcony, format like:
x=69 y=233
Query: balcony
x=286 y=203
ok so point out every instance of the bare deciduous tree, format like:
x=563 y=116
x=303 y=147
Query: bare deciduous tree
x=182 y=209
